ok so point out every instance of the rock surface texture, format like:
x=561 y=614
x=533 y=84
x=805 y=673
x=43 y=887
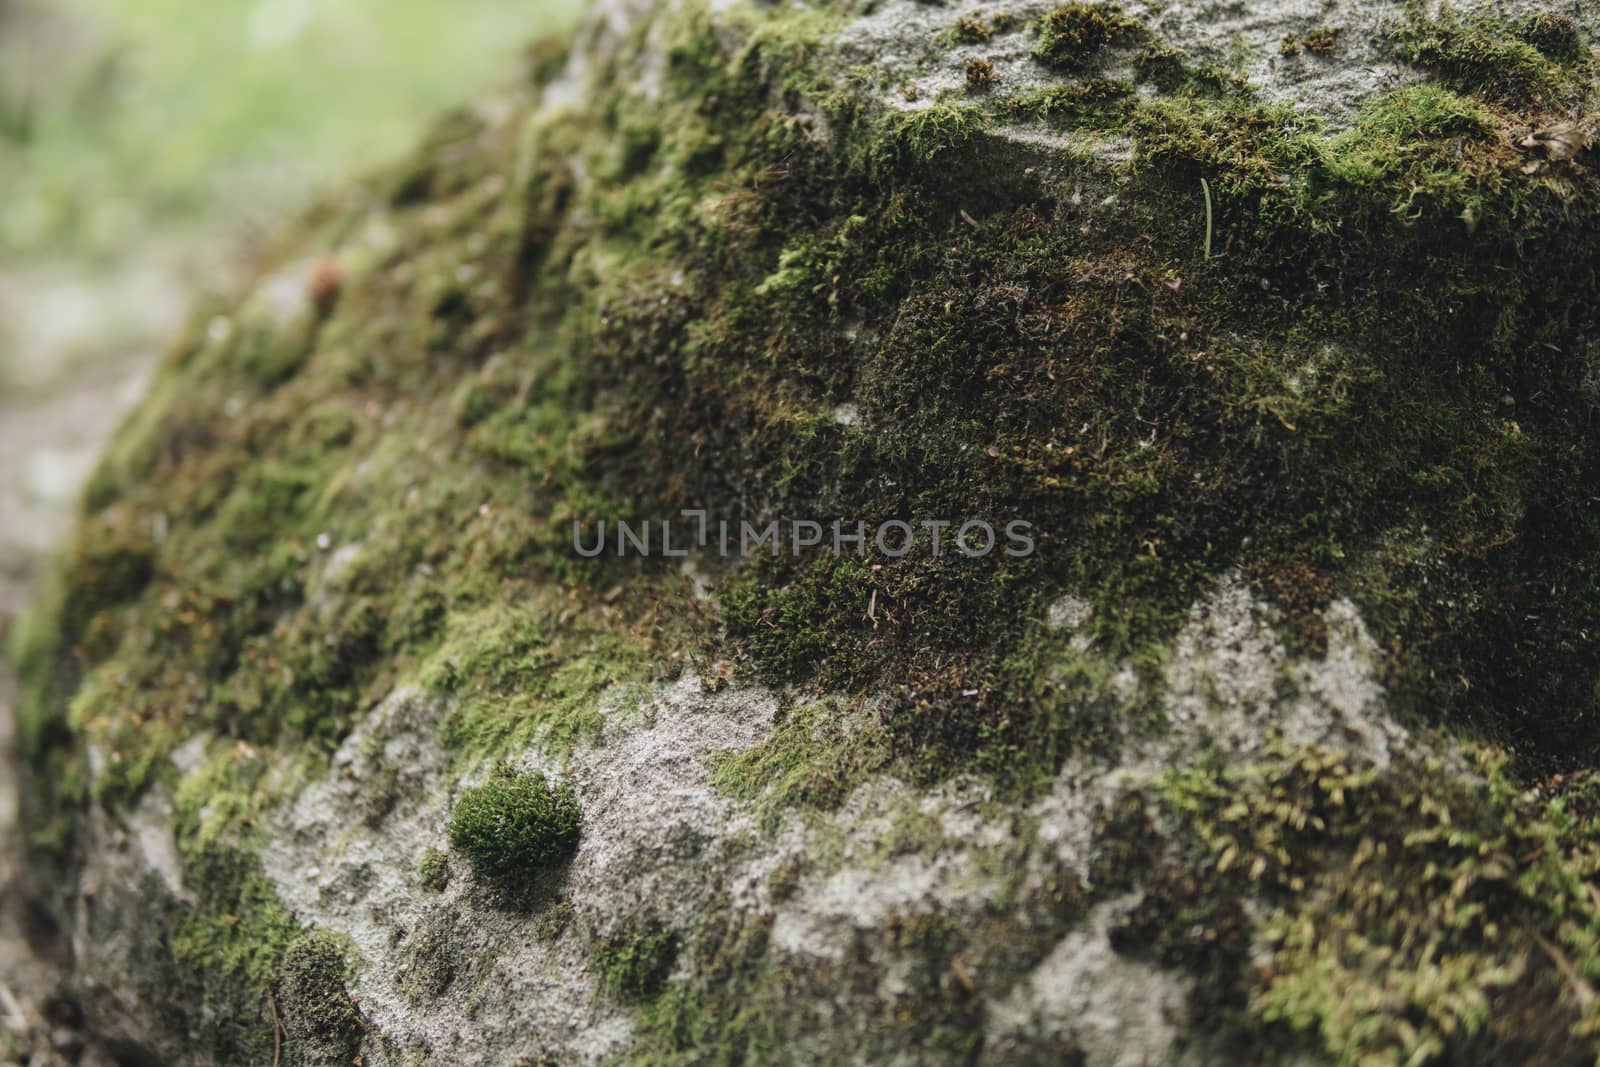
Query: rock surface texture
x=1278 y=322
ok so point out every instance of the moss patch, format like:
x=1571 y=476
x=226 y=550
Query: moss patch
x=1426 y=913
x=227 y=951
x=433 y=872
x=1070 y=36
x=1539 y=62
x=515 y=825
x=322 y=1024
x=815 y=757
x=635 y=963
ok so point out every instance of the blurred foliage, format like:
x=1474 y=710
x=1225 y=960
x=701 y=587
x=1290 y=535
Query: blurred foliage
x=121 y=118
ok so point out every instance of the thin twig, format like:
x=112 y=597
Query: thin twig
x=963 y=976
x=1580 y=988
x=16 y=1018
x=277 y=1030
x=1205 y=187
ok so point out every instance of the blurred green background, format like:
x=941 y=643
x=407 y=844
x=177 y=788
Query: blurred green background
x=146 y=146
x=117 y=116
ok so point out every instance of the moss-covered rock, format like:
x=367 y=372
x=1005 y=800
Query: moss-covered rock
x=1272 y=747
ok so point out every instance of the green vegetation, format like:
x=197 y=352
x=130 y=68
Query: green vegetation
x=515 y=825
x=634 y=964
x=1539 y=63
x=1169 y=417
x=970 y=29
x=818 y=753
x=119 y=121
x=434 y=870
x=974 y=29
x=1451 y=891
x=1377 y=385
x=322 y=1024
x=1094 y=101
x=227 y=951
x=1320 y=41
x=1071 y=36
x=740 y=1004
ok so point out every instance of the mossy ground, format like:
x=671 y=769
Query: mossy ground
x=1369 y=374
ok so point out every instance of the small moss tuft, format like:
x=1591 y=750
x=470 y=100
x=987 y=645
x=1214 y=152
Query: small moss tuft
x=970 y=29
x=515 y=824
x=1322 y=40
x=434 y=870
x=1072 y=35
x=634 y=964
x=320 y=1020
x=1556 y=35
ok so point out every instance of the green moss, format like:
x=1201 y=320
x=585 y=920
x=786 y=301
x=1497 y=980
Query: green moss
x=111 y=560
x=1071 y=36
x=1228 y=412
x=434 y=870
x=322 y=1024
x=223 y=954
x=1414 y=914
x=1553 y=34
x=221 y=800
x=808 y=624
x=1094 y=102
x=552 y=920
x=1399 y=140
x=969 y=29
x=518 y=373
x=516 y=676
x=911 y=139
x=1322 y=40
x=239 y=931
x=515 y=825
x=741 y=1000
x=431 y=959
x=814 y=758
x=617 y=391
x=1502 y=62
x=634 y=964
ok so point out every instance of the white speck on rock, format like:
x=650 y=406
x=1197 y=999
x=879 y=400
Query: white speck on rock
x=1068 y=613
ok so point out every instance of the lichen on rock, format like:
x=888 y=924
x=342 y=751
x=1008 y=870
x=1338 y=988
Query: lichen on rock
x=1278 y=746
